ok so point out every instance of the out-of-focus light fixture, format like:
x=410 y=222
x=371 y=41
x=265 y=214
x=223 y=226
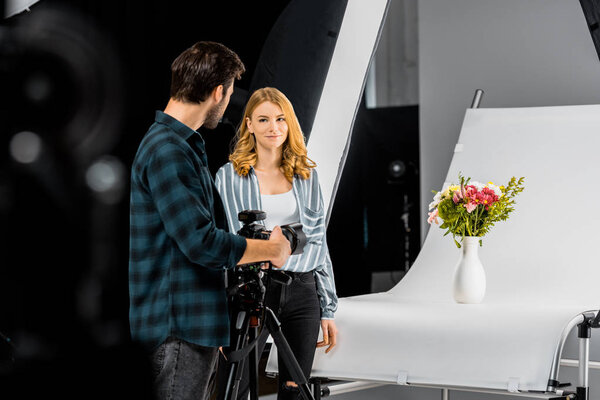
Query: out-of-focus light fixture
x=106 y=178
x=66 y=72
x=25 y=147
x=396 y=169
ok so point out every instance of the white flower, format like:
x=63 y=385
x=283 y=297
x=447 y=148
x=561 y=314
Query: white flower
x=436 y=200
x=478 y=185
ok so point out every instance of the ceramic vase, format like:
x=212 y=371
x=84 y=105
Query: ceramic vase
x=469 y=275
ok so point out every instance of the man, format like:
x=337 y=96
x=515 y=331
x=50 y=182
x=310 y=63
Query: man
x=178 y=304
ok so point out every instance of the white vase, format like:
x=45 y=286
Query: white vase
x=469 y=275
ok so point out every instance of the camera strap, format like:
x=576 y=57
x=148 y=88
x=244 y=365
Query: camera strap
x=238 y=355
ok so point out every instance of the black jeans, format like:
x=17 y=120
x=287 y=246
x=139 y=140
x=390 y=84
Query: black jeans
x=183 y=370
x=297 y=309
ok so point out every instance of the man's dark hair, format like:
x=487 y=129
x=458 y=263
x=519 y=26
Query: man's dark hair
x=201 y=68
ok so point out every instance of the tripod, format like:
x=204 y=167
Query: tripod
x=248 y=295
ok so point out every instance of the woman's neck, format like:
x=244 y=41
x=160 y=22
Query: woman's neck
x=271 y=179
x=268 y=160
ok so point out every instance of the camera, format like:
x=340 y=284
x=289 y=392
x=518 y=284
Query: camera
x=252 y=230
x=247 y=288
x=249 y=311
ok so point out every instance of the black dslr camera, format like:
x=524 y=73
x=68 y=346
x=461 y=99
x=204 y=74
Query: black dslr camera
x=247 y=287
x=251 y=230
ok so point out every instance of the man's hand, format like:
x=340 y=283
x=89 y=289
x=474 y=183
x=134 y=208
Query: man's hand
x=277 y=249
x=329 y=334
x=282 y=249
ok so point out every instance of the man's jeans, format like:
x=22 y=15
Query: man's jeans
x=183 y=370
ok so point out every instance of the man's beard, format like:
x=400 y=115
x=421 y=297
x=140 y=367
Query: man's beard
x=214 y=115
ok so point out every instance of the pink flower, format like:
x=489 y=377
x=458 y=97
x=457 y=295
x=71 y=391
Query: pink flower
x=457 y=197
x=470 y=206
x=487 y=197
x=433 y=217
x=470 y=191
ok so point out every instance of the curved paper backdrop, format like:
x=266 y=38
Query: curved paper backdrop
x=542 y=266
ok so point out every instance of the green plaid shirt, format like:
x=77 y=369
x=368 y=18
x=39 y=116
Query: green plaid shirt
x=177 y=253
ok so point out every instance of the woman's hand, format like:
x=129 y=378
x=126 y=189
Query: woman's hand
x=329 y=334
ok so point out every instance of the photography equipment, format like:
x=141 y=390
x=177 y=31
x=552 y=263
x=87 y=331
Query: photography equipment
x=251 y=230
x=250 y=315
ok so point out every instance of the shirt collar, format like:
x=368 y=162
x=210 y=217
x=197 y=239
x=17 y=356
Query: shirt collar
x=184 y=131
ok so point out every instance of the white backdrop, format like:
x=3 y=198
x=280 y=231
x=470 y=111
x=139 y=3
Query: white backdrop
x=521 y=53
x=549 y=244
x=542 y=266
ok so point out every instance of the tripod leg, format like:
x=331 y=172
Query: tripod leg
x=235 y=368
x=287 y=355
x=316 y=385
x=253 y=367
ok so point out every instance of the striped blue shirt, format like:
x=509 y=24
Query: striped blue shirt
x=177 y=251
x=242 y=193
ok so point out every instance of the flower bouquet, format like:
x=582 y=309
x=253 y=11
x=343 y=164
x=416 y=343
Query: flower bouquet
x=468 y=211
x=472 y=208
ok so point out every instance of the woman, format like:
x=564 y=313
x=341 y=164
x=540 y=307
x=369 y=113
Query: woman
x=269 y=170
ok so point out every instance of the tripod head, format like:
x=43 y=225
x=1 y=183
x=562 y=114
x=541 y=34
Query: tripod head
x=248 y=289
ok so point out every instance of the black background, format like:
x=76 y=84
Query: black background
x=58 y=243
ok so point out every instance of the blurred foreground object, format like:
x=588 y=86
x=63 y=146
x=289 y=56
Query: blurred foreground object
x=60 y=193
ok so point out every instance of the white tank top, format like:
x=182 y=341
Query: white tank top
x=281 y=209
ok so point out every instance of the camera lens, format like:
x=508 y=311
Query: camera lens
x=295 y=235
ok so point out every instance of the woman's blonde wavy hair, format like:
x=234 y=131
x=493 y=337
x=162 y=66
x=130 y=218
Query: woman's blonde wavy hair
x=295 y=160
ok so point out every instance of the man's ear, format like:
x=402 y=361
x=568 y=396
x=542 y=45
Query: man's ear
x=217 y=93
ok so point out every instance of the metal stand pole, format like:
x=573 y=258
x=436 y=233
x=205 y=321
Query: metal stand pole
x=477 y=98
x=584 y=334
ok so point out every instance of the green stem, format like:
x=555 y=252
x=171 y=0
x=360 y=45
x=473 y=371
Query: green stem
x=468 y=227
x=478 y=214
x=476 y=220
